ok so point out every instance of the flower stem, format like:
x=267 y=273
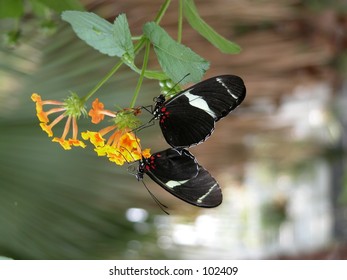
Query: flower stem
x=180 y=21
x=162 y=11
x=143 y=70
x=99 y=84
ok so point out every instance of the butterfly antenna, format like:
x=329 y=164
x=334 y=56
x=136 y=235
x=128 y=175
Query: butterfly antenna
x=148 y=124
x=161 y=205
x=148 y=108
x=124 y=156
x=185 y=76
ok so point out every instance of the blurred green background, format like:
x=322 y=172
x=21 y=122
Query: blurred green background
x=280 y=157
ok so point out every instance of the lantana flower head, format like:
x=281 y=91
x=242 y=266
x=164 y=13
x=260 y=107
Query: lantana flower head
x=122 y=145
x=70 y=109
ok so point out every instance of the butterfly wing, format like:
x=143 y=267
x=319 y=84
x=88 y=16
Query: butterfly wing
x=195 y=186
x=189 y=118
x=172 y=165
x=222 y=94
x=185 y=125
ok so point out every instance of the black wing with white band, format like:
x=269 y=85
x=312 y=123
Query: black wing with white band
x=178 y=173
x=189 y=117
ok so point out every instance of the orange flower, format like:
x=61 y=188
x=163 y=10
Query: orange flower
x=43 y=116
x=98 y=112
x=124 y=119
x=72 y=108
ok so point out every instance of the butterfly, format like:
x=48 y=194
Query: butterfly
x=178 y=172
x=189 y=117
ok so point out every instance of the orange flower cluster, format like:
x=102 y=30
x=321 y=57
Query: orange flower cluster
x=71 y=119
x=121 y=146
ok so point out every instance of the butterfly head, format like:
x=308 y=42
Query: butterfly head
x=159 y=101
x=145 y=165
x=141 y=169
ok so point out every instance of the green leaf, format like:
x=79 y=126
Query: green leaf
x=192 y=15
x=175 y=59
x=62 y=5
x=11 y=8
x=122 y=36
x=95 y=31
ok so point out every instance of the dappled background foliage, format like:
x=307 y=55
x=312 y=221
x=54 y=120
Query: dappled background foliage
x=284 y=145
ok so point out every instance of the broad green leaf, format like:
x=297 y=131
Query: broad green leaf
x=175 y=59
x=192 y=15
x=11 y=8
x=62 y=5
x=95 y=31
x=122 y=35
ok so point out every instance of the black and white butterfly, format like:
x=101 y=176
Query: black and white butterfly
x=178 y=172
x=189 y=117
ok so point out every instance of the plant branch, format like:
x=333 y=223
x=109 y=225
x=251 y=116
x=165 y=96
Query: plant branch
x=138 y=46
x=143 y=70
x=180 y=21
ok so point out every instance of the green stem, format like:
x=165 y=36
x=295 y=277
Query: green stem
x=157 y=20
x=162 y=11
x=180 y=21
x=139 y=45
x=143 y=70
x=100 y=84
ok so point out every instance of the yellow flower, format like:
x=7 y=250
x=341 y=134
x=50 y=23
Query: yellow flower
x=95 y=138
x=122 y=145
x=72 y=108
